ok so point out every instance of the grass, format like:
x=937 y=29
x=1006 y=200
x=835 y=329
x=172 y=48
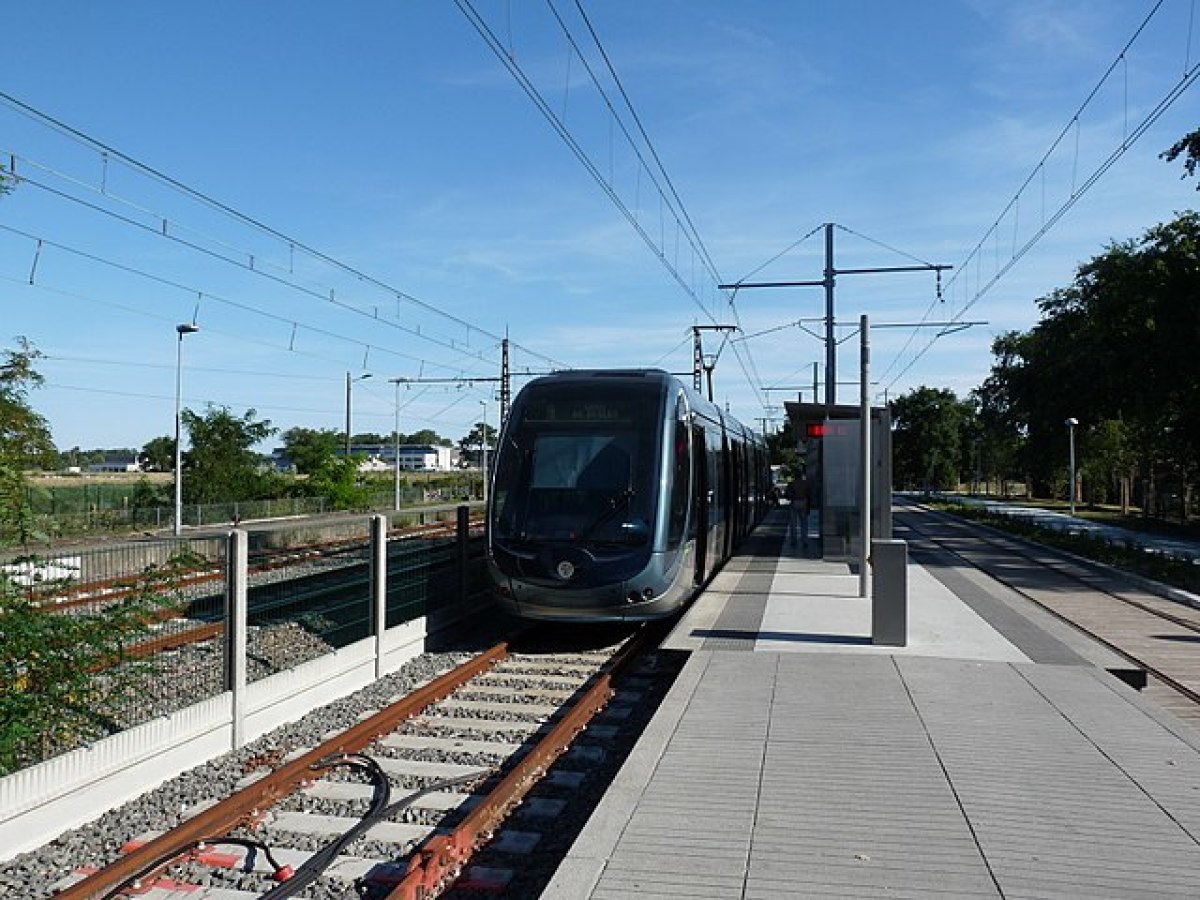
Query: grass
x=1131 y=554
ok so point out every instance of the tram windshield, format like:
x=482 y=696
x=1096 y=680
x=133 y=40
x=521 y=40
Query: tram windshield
x=578 y=465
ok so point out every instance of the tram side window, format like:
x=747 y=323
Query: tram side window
x=681 y=477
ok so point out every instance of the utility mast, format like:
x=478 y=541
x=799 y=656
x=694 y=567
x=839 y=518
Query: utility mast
x=828 y=282
x=699 y=364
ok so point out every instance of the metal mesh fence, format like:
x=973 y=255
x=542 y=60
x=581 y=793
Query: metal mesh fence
x=308 y=594
x=81 y=513
x=95 y=641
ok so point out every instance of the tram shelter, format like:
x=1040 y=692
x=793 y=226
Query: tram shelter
x=829 y=450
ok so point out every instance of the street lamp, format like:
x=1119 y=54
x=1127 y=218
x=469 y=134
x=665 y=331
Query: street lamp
x=350 y=381
x=181 y=330
x=483 y=446
x=396 y=438
x=1071 y=423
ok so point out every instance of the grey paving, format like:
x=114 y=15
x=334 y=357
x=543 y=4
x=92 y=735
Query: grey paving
x=818 y=765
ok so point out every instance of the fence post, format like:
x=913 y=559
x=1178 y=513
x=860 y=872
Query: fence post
x=889 y=600
x=379 y=554
x=236 y=581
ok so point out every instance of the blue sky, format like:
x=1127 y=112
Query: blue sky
x=372 y=191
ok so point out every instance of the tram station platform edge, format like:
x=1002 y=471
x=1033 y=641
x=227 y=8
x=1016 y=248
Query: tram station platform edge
x=994 y=755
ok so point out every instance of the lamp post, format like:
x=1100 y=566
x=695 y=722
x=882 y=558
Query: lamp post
x=1071 y=423
x=396 y=438
x=181 y=330
x=350 y=381
x=483 y=447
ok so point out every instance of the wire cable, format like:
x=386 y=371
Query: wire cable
x=108 y=152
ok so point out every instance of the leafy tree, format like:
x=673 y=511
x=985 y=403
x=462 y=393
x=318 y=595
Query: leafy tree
x=24 y=443
x=1117 y=344
x=1188 y=147
x=65 y=677
x=1109 y=462
x=481 y=432
x=24 y=433
x=221 y=466
x=927 y=438
x=337 y=479
x=781 y=447
x=48 y=695
x=426 y=436
x=158 y=455
x=309 y=449
x=147 y=495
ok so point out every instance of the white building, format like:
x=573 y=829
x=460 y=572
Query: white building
x=413 y=457
x=116 y=464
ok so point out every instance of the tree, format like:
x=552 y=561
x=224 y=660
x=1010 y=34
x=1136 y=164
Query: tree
x=1118 y=344
x=927 y=438
x=1188 y=147
x=337 y=479
x=221 y=466
x=48 y=695
x=310 y=449
x=24 y=443
x=481 y=432
x=158 y=455
x=24 y=433
x=426 y=436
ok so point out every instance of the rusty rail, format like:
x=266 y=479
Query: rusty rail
x=442 y=858
x=157 y=854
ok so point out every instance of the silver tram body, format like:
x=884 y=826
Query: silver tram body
x=615 y=495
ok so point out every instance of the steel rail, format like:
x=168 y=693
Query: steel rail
x=118 y=587
x=1190 y=693
x=435 y=864
x=244 y=805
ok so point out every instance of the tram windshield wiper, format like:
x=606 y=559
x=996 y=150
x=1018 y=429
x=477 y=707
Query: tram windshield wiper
x=615 y=504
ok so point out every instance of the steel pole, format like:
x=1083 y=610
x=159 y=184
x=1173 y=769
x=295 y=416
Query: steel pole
x=864 y=576
x=396 y=448
x=1071 y=434
x=180 y=330
x=347 y=415
x=483 y=443
x=830 y=342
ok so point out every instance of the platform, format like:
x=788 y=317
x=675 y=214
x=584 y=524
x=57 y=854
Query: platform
x=991 y=756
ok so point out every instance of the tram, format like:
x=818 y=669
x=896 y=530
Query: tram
x=616 y=495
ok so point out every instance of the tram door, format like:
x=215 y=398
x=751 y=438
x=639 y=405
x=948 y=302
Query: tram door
x=700 y=490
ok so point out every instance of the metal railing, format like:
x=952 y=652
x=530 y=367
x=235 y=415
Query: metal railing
x=112 y=517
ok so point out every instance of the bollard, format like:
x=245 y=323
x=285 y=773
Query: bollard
x=889 y=601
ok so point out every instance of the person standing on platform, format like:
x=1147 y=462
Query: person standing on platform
x=797 y=495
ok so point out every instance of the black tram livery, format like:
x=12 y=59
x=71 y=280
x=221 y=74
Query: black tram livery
x=616 y=494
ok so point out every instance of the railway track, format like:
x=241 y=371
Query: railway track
x=396 y=805
x=194 y=583
x=1159 y=635
x=191 y=574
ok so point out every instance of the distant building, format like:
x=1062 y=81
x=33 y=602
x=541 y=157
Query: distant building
x=116 y=464
x=382 y=458
x=413 y=457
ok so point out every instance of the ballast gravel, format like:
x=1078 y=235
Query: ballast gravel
x=31 y=875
